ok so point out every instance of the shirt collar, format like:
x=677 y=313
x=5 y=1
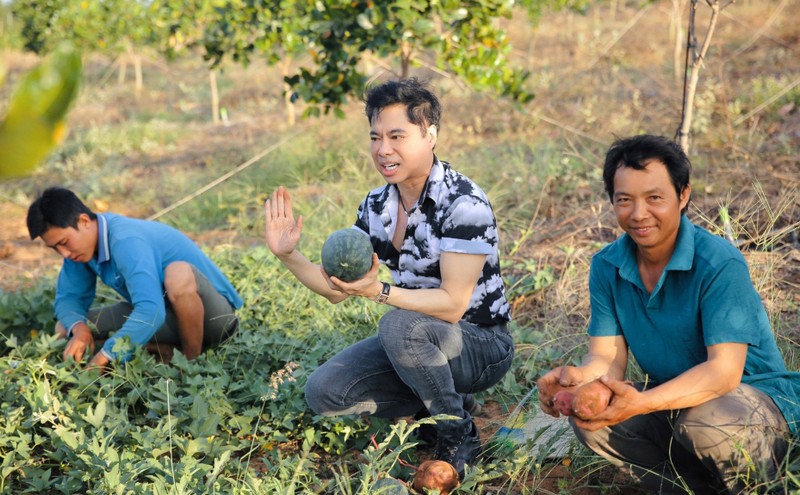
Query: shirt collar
x=433 y=185
x=622 y=253
x=103 y=253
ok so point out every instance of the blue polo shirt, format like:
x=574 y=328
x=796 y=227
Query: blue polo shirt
x=704 y=297
x=131 y=258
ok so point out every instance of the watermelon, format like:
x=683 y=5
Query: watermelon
x=389 y=486
x=347 y=254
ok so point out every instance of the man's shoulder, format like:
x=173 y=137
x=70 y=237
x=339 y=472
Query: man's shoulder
x=714 y=249
x=457 y=184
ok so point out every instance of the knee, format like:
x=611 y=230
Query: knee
x=396 y=328
x=695 y=431
x=590 y=439
x=179 y=280
x=318 y=393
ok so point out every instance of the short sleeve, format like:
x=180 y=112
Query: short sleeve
x=730 y=307
x=469 y=227
x=604 y=321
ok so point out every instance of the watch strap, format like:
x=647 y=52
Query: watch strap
x=384 y=294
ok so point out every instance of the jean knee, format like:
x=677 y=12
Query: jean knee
x=317 y=393
x=394 y=329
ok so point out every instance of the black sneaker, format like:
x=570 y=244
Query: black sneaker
x=427 y=434
x=471 y=405
x=459 y=447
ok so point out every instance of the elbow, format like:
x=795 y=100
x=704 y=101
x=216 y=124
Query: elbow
x=335 y=299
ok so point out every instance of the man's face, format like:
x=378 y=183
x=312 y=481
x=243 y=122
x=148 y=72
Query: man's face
x=77 y=244
x=400 y=151
x=647 y=206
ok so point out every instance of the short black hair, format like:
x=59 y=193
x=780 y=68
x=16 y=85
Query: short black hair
x=637 y=151
x=422 y=106
x=55 y=207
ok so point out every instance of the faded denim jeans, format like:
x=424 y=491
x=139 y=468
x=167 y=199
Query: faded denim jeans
x=727 y=445
x=415 y=361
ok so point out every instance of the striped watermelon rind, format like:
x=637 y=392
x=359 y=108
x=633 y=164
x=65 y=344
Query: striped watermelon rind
x=347 y=254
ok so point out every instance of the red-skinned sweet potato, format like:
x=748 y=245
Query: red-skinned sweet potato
x=590 y=399
x=562 y=402
x=436 y=475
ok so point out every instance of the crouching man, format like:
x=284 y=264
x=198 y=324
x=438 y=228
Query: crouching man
x=174 y=295
x=718 y=409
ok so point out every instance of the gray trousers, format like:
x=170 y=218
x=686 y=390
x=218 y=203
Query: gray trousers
x=731 y=444
x=219 y=321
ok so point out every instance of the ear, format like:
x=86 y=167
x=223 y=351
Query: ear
x=432 y=134
x=685 y=195
x=84 y=220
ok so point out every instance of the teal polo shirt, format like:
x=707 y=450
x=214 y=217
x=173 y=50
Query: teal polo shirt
x=704 y=297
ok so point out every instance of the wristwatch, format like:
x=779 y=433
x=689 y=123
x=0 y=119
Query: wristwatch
x=384 y=294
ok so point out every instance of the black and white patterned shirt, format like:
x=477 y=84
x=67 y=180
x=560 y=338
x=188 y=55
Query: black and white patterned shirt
x=452 y=215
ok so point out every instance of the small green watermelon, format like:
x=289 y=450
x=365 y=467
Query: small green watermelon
x=347 y=254
x=389 y=486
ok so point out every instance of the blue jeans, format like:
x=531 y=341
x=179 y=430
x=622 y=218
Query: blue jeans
x=415 y=361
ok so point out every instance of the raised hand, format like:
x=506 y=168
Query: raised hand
x=282 y=231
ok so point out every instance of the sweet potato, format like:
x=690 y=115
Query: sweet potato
x=435 y=475
x=591 y=399
x=562 y=401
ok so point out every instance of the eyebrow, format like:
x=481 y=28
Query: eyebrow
x=646 y=193
x=392 y=131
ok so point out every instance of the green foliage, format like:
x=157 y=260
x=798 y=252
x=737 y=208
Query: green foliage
x=34 y=123
x=111 y=25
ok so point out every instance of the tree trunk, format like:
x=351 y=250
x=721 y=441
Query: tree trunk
x=405 y=60
x=137 y=67
x=291 y=108
x=122 y=62
x=697 y=63
x=676 y=32
x=212 y=80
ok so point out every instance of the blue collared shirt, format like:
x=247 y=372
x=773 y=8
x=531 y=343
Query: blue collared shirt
x=131 y=257
x=703 y=297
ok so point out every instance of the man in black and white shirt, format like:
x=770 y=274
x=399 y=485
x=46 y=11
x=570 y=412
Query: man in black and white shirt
x=435 y=230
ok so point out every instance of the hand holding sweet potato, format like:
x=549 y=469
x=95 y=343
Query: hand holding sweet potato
x=582 y=401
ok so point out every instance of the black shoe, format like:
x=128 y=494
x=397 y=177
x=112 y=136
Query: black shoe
x=427 y=434
x=459 y=447
x=471 y=405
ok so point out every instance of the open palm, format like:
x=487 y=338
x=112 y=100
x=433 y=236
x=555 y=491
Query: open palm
x=282 y=231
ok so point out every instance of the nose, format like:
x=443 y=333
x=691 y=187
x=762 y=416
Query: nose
x=63 y=251
x=384 y=147
x=640 y=211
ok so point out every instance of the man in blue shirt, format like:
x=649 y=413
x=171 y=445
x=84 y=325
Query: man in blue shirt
x=174 y=295
x=718 y=406
x=436 y=232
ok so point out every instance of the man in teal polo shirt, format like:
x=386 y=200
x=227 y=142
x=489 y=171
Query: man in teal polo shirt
x=718 y=408
x=174 y=295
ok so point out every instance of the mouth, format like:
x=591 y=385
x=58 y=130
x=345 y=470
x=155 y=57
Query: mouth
x=390 y=166
x=642 y=230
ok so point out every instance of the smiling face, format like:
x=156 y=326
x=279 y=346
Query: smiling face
x=401 y=152
x=77 y=244
x=648 y=208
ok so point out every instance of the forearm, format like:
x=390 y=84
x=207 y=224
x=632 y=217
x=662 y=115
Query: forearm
x=595 y=366
x=432 y=302
x=308 y=274
x=695 y=386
